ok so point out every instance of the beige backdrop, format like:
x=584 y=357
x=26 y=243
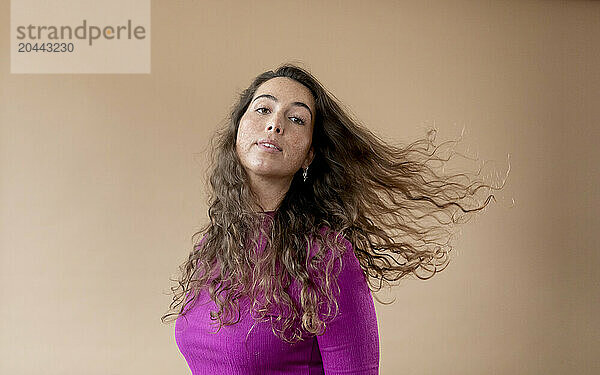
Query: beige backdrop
x=101 y=178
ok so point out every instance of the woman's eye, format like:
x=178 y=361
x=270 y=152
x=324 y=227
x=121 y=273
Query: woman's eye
x=295 y=119
x=261 y=108
x=300 y=121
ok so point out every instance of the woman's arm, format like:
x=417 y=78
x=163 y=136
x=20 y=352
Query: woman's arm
x=350 y=344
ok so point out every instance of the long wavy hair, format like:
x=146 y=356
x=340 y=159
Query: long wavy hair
x=386 y=200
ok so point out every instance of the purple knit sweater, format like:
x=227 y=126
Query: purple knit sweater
x=350 y=344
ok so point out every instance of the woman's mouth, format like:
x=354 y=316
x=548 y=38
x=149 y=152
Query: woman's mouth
x=268 y=147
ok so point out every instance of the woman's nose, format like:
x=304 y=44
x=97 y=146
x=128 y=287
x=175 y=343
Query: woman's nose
x=275 y=124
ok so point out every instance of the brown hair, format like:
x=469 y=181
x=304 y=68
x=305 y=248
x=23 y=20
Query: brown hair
x=378 y=196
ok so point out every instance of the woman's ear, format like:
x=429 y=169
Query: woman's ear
x=309 y=157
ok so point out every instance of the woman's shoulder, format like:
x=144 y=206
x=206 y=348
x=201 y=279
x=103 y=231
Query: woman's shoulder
x=347 y=264
x=336 y=237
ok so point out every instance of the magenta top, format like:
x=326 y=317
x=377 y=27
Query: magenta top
x=350 y=344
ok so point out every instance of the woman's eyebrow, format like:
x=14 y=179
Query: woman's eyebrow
x=269 y=96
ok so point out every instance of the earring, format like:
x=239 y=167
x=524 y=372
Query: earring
x=304 y=173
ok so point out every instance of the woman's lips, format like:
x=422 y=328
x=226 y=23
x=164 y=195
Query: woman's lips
x=267 y=148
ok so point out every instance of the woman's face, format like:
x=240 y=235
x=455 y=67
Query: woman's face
x=281 y=112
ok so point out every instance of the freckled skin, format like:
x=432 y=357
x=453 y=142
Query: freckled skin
x=278 y=121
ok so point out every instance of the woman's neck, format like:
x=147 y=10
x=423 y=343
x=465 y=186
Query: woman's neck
x=269 y=192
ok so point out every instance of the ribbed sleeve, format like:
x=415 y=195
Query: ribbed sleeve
x=350 y=344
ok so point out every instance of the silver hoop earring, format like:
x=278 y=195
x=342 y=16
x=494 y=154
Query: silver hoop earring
x=305 y=173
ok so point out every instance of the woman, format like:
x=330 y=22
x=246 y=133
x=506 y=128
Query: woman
x=307 y=209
